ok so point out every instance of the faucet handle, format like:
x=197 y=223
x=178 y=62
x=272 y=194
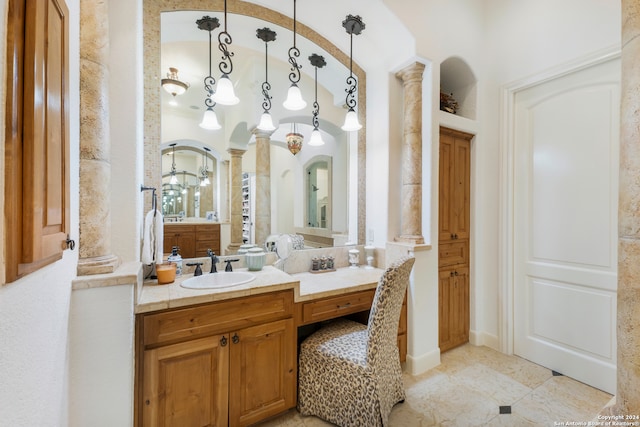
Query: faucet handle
x=198 y=271
x=229 y=261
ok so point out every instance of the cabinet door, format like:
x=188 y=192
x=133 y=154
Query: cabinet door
x=187 y=384
x=455 y=185
x=453 y=310
x=262 y=372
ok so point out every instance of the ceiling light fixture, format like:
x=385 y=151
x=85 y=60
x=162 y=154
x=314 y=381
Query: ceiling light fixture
x=184 y=182
x=266 y=122
x=205 y=167
x=225 y=94
x=174 y=179
x=294 y=139
x=317 y=61
x=294 y=99
x=353 y=25
x=173 y=84
x=209 y=119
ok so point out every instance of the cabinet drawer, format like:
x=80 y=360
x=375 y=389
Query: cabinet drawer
x=208 y=235
x=214 y=318
x=178 y=228
x=453 y=253
x=332 y=307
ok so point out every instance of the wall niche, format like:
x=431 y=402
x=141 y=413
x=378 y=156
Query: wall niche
x=458 y=88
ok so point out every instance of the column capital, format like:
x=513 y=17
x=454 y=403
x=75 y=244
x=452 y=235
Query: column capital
x=236 y=152
x=259 y=133
x=411 y=72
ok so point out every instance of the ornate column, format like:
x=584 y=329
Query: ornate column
x=263 y=185
x=411 y=219
x=628 y=318
x=95 y=167
x=236 y=199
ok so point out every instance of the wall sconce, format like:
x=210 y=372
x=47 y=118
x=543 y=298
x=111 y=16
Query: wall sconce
x=353 y=25
x=225 y=94
x=209 y=119
x=173 y=84
x=317 y=61
x=174 y=179
x=266 y=122
x=294 y=99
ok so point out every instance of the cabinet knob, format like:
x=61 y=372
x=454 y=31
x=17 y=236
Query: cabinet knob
x=235 y=338
x=456 y=273
x=223 y=341
x=451 y=274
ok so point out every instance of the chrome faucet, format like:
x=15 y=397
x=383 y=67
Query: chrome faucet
x=214 y=260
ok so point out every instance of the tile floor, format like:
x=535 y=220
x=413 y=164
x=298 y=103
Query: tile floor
x=480 y=386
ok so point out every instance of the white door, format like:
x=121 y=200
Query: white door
x=565 y=223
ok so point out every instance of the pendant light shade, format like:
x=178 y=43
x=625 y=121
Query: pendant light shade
x=210 y=120
x=225 y=94
x=294 y=101
x=266 y=122
x=316 y=138
x=351 y=122
x=353 y=25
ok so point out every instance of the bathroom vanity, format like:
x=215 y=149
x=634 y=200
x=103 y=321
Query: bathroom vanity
x=229 y=356
x=193 y=239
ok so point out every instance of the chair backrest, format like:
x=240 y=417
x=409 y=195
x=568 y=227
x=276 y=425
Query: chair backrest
x=385 y=311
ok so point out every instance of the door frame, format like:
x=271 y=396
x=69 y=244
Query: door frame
x=506 y=244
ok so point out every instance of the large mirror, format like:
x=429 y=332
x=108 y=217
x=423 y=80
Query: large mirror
x=173 y=40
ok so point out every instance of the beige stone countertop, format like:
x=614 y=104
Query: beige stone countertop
x=306 y=286
x=342 y=281
x=159 y=297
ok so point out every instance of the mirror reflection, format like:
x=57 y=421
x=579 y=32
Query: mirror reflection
x=184 y=60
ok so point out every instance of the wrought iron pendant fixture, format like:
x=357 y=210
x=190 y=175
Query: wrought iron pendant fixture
x=353 y=25
x=210 y=119
x=294 y=99
x=317 y=61
x=266 y=122
x=225 y=94
x=205 y=168
x=174 y=179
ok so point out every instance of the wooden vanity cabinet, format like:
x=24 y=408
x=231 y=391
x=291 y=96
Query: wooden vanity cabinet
x=224 y=363
x=192 y=239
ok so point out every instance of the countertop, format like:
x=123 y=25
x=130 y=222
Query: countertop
x=306 y=287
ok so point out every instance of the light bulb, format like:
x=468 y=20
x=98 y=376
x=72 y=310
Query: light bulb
x=225 y=94
x=316 y=138
x=210 y=120
x=351 y=121
x=294 y=99
x=266 y=123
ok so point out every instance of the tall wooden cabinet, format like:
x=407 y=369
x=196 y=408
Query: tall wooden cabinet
x=453 y=238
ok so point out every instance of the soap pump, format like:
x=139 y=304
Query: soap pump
x=177 y=259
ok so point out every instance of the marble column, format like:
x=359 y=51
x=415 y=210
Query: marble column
x=411 y=216
x=235 y=173
x=628 y=318
x=263 y=185
x=95 y=157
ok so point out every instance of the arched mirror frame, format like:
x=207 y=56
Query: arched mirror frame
x=152 y=111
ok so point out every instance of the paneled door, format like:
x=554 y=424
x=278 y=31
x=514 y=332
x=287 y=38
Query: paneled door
x=565 y=223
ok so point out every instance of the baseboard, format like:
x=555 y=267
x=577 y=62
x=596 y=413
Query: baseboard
x=418 y=365
x=482 y=338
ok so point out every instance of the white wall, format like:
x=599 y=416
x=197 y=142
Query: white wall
x=34 y=311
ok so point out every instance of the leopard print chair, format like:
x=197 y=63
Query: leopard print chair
x=349 y=373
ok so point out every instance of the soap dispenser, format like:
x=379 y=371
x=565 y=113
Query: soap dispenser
x=177 y=259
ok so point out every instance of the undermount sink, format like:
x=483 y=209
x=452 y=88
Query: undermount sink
x=224 y=279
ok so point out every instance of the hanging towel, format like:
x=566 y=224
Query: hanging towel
x=152 y=237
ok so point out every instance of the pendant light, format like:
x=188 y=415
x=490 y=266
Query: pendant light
x=225 y=94
x=317 y=61
x=209 y=119
x=174 y=179
x=294 y=139
x=205 y=168
x=294 y=99
x=266 y=122
x=184 y=182
x=353 y=25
